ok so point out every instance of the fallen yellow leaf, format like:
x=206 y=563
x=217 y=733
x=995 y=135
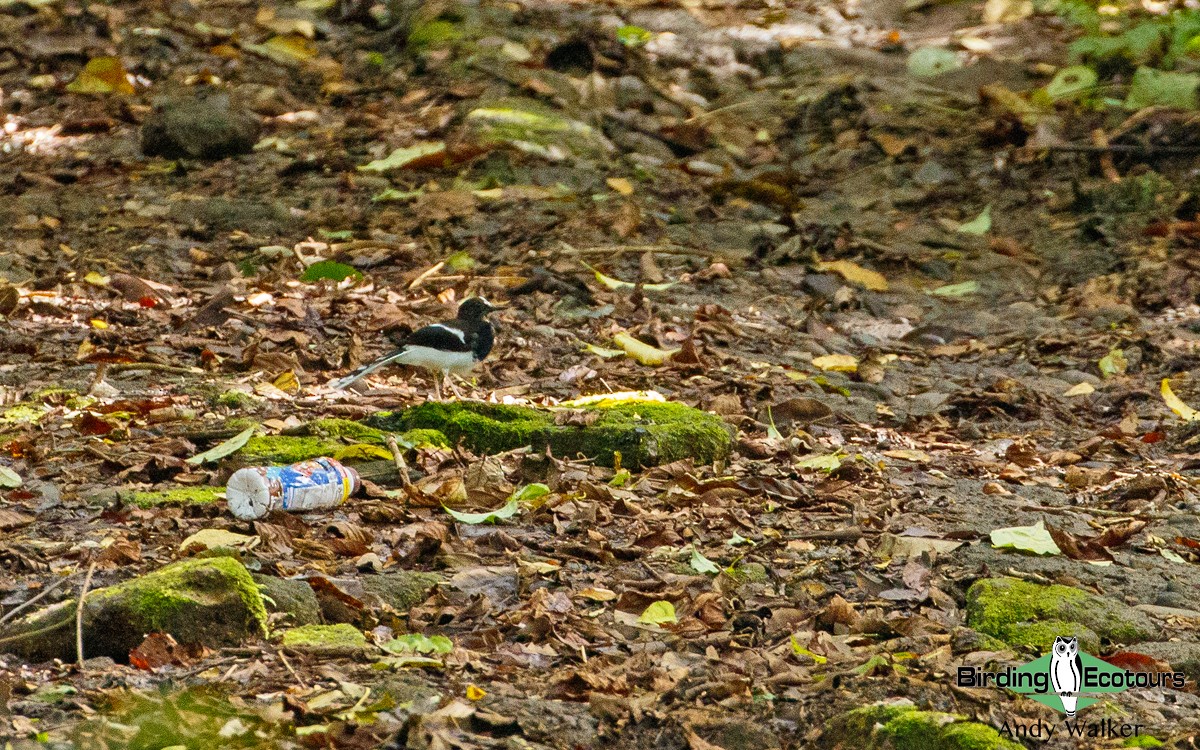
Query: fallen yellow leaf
x=853 y=272
x=598 y=594
x=288 y=383
x=1080 y=389
x=837 y=362
x=98 y=324
x=475 y=693
x=95 y=278
x=643 y=353
x=102 y=75
x=1175 y=404
x=621 y=185
x=286 y=49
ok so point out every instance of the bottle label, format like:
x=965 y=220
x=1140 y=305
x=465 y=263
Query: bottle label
x=309 y=485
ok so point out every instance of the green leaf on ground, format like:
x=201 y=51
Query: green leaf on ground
x=826 y=463
x=927 y=62
x=633 y=36
x=1035 y=539
x=232 y=445
x=417 y=643
x=529 y=493
x=329 y=269
x=1071 y=83
x=658 y=613
x=1161 y=88
x=508 y=510
x=702 y=564
x=957 y=290
x=9 y=478
x=981 y=224
x=416 y=155
x=1113 y=363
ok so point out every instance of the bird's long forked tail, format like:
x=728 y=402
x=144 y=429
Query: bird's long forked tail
x=366 y=370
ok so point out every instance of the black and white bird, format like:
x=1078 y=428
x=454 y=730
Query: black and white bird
x=453 y=347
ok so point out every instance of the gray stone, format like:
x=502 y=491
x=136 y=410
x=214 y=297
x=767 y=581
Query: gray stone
x=200 y=127
x=1183 y=656
x=291 y=596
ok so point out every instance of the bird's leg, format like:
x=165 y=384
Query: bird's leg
x=437 y=388
x=453 y=387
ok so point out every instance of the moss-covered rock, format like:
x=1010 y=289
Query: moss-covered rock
x=326 y=640
x=380 y=593
x=1030 y=615
x=965 y=640
x=898 y=725
x=213 y=602
x=202 y=495
x=643 y=433
x=401 y=590
x=290 y=596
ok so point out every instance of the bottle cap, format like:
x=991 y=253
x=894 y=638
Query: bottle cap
x=248 y=494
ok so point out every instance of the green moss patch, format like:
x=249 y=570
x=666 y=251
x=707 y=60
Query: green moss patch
x=203 y=495
x=287 y=449
x=433 y=35
x=898 y=725
x=211 y=601
x=643 y=433
x=326 y=640
x=423 y=439
x=1029 y=615
x=345 y=428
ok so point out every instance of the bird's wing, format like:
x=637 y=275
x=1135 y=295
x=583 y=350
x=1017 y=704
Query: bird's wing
x=442 y=336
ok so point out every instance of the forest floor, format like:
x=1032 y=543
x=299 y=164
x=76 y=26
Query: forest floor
x=929 y=312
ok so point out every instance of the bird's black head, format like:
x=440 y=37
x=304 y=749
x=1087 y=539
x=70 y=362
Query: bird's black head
x=474 y=308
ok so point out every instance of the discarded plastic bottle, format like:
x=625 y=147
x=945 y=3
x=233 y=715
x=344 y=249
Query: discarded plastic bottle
x=309 y=485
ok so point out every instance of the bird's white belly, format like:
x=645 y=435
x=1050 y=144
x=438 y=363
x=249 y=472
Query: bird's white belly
x=459 y=363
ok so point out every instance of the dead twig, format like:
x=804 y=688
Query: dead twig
x=398 y=455
x=622 y=249
x=1100 y=140
x=35 y=599
x=87 y=582
x=155 y=366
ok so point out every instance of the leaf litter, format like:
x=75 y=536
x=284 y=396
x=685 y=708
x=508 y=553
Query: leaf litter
x=765 y=256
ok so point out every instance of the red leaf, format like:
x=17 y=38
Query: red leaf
x=90 y=424
x=1135 y=662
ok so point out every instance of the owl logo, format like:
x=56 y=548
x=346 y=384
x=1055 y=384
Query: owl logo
x=1066 y=672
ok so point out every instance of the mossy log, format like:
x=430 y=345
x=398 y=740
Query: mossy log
x=212 y=602
x=642 y=433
